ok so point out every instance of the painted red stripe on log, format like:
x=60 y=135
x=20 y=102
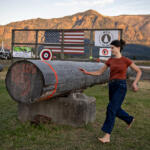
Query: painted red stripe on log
x=56 y=76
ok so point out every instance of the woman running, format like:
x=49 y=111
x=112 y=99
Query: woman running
x=117 y=87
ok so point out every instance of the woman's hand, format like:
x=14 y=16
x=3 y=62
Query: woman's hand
x=83 y=70
x=135 y=86
x=95 y=73
x=137 y=78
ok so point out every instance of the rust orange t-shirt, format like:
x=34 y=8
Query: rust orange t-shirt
x=118 y=67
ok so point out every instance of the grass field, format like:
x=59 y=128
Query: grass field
x=17 y=136
x=142 y=63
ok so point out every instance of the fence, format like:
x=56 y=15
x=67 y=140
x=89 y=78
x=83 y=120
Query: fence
x=64 y=43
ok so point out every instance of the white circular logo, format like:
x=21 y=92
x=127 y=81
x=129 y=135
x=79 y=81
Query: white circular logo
x=106 y=38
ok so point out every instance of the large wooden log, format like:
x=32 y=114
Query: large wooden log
x=28 y=81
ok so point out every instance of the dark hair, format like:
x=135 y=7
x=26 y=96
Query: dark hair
x=119 y=43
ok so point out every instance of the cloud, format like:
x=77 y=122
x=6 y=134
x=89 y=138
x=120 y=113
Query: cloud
x=84 y=3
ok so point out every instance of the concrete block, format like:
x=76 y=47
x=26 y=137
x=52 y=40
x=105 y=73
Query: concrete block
x=76 y=109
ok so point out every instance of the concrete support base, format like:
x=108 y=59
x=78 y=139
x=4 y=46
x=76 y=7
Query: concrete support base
x=76 y=109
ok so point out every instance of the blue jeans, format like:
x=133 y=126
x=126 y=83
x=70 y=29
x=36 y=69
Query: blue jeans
x=117 y=92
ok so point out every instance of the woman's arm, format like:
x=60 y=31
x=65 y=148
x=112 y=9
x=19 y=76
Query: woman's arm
x=95 y=73
x=138 y=76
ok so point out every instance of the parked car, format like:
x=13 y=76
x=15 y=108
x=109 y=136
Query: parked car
x=5 y=54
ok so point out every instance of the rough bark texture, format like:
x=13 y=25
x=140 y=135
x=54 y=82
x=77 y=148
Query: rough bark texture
x=34 y=80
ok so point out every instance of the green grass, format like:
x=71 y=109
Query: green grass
x=142 y=63
x=17 y=136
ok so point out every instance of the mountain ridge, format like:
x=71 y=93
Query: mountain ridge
x=136 y=28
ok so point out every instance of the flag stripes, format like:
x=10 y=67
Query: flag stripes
x=70 y=37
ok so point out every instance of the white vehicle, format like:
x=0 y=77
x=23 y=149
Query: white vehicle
x=5 y=54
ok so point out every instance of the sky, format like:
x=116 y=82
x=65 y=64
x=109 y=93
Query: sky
x=18 y=10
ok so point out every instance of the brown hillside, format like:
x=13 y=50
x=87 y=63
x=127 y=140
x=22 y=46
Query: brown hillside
x=136 y=27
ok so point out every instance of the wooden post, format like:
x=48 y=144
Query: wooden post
x=12 y=44
x=36 y=43
x=62 y=46
x=91 y=44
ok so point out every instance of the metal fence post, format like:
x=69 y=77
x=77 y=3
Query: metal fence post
x=36 y=44
x=12 y=43
x=62 y=46
x=91 y=44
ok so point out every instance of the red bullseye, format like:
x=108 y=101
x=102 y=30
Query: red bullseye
x=46 y=54
x=105 y=52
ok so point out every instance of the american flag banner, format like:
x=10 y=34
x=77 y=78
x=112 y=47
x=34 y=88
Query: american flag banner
x=52 y=37
x=70 y=37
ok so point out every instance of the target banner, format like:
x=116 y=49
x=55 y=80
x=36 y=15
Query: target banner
x=105 y=37
x=105 y=52
x=46 y=54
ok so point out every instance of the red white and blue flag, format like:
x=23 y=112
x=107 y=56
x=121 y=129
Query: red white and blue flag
x=70 y=37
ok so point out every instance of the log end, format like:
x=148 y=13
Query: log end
x=24 y=82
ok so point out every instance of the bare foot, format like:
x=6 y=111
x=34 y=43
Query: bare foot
x=105 y=139
x=129 y=126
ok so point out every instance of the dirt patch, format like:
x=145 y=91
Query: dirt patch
x=145 y=84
